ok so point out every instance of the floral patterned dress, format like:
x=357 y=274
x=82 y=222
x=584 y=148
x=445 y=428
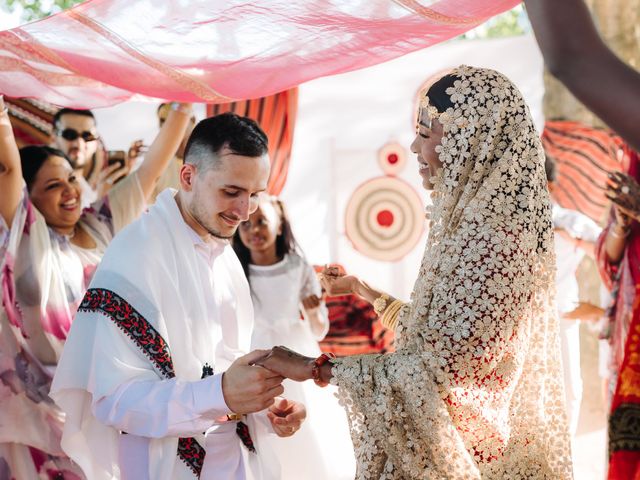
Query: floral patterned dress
x=474 y=389
x=43 y=277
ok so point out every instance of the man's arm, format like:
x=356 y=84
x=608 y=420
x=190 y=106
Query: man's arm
x=161 y=408
x=574 y=53
x=10 y=168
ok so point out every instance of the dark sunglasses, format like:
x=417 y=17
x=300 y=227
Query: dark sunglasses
x=71 y=135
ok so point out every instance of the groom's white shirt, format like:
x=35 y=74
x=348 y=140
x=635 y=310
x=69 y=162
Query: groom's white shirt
x=209 y=320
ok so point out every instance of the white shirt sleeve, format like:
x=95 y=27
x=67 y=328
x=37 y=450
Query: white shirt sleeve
x=576 y=224
x=163 y=408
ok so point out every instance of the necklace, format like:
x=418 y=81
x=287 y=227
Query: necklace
x=72 y=234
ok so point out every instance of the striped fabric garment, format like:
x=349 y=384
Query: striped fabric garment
x=276 y=114
x=584 y=155
x=354 y=328
x=31 y=120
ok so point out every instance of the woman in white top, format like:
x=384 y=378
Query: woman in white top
x=288 y=311
x=49 y=249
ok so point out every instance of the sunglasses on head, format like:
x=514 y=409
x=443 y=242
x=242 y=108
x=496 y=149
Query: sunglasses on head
x=71 y=135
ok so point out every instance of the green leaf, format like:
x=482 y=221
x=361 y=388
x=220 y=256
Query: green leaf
x=36 y=9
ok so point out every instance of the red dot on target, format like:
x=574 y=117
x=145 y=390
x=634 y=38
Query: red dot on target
x=385 y=218
x=392 y=158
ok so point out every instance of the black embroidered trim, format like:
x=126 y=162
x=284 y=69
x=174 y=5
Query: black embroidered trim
x=136 y=327
x=207 y=371
x=192 y=454
x=624 y=428
x=243 y=432
x=133 y=324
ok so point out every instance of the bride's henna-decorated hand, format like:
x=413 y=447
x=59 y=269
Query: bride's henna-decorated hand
x=335 y=281
x=287 y=363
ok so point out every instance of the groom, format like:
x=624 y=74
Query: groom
x=158 y=348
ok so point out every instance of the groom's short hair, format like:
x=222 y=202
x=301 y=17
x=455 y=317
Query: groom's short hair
x=240 y=135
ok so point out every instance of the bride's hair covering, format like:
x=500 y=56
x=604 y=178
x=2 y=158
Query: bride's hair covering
x=475 y=387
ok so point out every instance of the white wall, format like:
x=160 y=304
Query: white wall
x=352 y=116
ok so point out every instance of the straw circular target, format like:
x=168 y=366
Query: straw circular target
x=384 y=219
x=392 y=158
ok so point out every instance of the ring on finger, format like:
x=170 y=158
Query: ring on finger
x=625 y=189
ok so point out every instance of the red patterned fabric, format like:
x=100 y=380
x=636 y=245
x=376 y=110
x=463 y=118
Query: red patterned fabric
x=276 y=115
x=102 y=52
x=584 y=155
x=133 y=324
x=31 y=120
x=354 y=328
x=242 y=430
x=624 y=418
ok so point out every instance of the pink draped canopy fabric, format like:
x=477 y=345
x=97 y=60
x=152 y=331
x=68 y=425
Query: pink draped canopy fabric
x=106 y=51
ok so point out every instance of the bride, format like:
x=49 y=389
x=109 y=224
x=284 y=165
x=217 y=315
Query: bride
x=474 y=389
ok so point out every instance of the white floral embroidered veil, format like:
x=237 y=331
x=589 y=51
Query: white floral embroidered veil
x=475 y=386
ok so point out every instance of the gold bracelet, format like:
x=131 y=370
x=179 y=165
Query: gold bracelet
x=390 y=321
x=380 y=303
x=391 y=315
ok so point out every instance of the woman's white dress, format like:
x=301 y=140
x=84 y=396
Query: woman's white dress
x=322 y=448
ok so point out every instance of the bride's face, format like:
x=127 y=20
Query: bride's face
x=428 y=137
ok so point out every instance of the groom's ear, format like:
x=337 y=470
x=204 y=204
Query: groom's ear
x=188 y=174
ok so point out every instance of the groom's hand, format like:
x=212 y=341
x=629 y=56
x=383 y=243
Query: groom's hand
x=286 y=416
x=249 y=388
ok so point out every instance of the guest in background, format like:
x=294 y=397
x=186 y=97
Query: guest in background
x=50 y=248
x=576 y=54
x=575 y=236
x=171 y=176
x=75 y=134
x=289 y=311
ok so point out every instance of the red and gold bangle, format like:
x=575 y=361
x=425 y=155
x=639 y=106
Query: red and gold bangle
x=317 y=363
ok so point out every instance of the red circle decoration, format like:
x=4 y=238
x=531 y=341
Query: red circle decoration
x=385 y=218
x=392 y=158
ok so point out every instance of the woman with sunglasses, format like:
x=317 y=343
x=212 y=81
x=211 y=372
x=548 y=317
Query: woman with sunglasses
x=474 y=388
x=50 y=248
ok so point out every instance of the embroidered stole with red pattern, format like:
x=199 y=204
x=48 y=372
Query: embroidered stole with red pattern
x=147 y=338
